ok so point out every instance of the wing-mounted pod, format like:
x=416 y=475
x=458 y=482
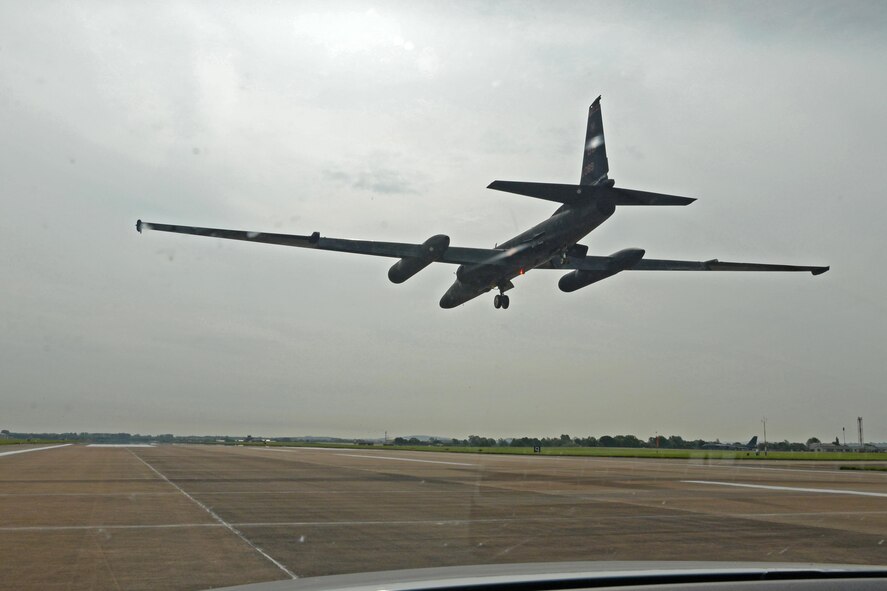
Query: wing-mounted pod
x=432 y=250
x=618 y=261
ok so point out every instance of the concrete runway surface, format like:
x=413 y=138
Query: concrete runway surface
x=196 y=517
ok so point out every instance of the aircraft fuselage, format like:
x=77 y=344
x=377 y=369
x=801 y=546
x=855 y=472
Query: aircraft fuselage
x=542 y=244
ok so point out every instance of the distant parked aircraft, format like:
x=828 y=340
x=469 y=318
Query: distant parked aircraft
x=551 y=244
x=750 y=446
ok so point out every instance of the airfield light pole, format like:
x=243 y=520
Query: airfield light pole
x=764 y=421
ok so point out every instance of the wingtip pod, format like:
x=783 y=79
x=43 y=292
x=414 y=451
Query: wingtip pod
x=139 y=226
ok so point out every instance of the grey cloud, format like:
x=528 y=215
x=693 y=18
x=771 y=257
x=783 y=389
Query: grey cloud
x=376 y=180
x=385 y=181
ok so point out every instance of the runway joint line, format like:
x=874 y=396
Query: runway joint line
x=215 y=516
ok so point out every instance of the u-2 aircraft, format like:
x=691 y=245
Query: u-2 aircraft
x=750 y=446
x=550 y=244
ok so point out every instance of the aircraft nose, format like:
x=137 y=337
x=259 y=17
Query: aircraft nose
x=447 y=302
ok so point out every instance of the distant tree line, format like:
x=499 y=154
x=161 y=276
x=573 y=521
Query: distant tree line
x=85 y=437
x=565 y=440
x=663 y=442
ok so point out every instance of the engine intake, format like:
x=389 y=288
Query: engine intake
x=578 y=279
x=619 y=261
x=432 y=250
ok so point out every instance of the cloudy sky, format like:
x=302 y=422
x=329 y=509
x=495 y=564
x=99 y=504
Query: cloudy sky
x=386 y=121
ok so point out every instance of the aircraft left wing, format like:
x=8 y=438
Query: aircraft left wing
x=452 y=254
x=604 y=263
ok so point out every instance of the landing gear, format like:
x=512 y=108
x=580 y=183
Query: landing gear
x=501 y=301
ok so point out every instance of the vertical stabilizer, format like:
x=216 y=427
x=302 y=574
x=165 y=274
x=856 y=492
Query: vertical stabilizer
x=594 y=162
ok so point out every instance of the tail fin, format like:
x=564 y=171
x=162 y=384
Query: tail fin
x=594 y=162
x=752 y=443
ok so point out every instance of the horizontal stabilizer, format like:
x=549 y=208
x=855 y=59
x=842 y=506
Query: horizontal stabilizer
x=634 y=197
x=576 y=194
x=548 y=191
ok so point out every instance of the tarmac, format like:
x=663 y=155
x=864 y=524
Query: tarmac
x=197 y=517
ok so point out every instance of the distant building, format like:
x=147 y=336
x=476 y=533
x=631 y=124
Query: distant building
x=830 y=447
x=850 y=447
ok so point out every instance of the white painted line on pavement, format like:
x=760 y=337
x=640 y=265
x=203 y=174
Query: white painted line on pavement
x=407 y=460
x=121 y=445
x=212 y=513
x=829 y=491
x=100 y=527
x=24 y=451
x=687 y=465
x=423 y=522
x=340 y=452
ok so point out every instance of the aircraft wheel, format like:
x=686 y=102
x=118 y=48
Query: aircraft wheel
x=497 y=301
x=505 y=301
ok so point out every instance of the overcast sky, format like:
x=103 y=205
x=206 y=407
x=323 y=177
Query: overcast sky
x=386 y=121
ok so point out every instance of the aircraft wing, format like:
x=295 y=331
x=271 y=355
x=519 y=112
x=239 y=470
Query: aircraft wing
x=453 y=254
x=603 y=263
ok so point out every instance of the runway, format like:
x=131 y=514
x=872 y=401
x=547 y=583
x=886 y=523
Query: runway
x=196 y=517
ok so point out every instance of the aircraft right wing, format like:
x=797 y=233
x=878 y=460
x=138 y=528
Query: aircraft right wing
x=604 y=263
x=452 y=254
x=716 y=265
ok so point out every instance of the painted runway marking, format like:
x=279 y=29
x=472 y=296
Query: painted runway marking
x=118 y=526
x=633 y=461
x=804 y=470
x=354 y=493
x=407 y=460
x=121 y=445
x=829 y=491
x=341 y=452
x=213 y=514
x=408 y=522
x=300 y=449
x=350 y=523
x=438 y=522
x=91 y=494
x=24 y=451
x=663 y=462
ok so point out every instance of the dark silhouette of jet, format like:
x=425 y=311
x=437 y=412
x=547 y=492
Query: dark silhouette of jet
x=750 y=446
x=551 y=244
